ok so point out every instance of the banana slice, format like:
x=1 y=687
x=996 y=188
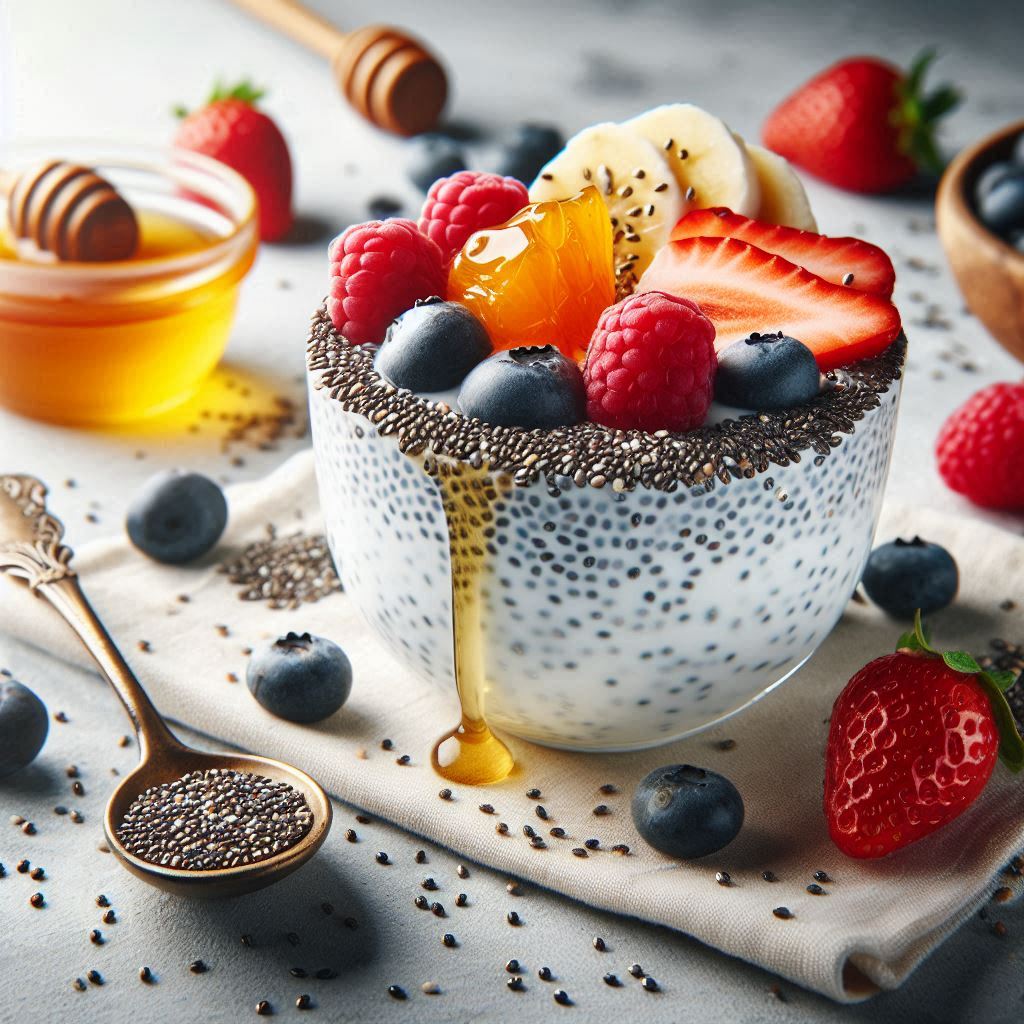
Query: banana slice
x=703 y=155
x=783 y=199
x=643 y=199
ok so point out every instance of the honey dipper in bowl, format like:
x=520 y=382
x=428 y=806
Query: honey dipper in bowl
x=70 y=212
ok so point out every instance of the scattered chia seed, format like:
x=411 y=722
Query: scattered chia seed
x=637 y=971
x=95 y=978
x=77 y=788
x=821 y=876
x=421 y=857
x=286 y=572
x=71 y=771
x=513 y=966
x=29 y=828
x=429 y=884
x=557 y=832
x=599 y=944
x=501 y=828
x=592 y=844
x=397 y=992
x=350 y=835
x=445 y=794
x=96 y=937
x=421 y=902
x=541 y=811
x=608 y=788
x=815 y=890
x=22 y=867
x=37 y=900
x=382 y=858
x=601 y=810
x=298 y=972
x=60 y=809
x=621 y=849
x=562 y=997
x=649 y=984
x=544 y=973
x=999 y=929
x=430 y=988
x=304 y=1002
x=514 y=889
x=578 y=851
x=38 y=874
x=783 y=912
x=449 y=940
x=513 y=918
x=214 y=819
x=612 y=980
x=77 y=817
x=533 y=794
x=102 y=900
x=461 y=900
x=110 y=917
x=387 y=744
x=723 y=878
x=529 y=831
x=515 y=984
x=263 y=1008
x=198 y=967
x=61 y=717
x=487 y=808
x=437 y=909
x=78 y=985
x=126 y=741
x=17 y=819
x=327 y=908
x=769 y=876
x=1002 y=894
x=726 y=745
x=462 y=871
x=146 y=975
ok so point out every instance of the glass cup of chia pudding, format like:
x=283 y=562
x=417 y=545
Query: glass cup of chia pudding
x=626 y=588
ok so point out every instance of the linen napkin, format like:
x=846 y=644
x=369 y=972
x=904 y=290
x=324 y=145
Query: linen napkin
x=185 y=631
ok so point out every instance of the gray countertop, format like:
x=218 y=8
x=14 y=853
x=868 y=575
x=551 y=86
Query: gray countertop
x=114 y=69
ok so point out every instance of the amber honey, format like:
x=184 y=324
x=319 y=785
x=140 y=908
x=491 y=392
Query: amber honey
x=470 y=753
x=106 y=343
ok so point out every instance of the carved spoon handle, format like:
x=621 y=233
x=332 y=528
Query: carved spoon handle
x=32 y=551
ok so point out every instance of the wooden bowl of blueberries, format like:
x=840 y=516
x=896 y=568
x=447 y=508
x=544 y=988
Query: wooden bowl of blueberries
x=980 y=216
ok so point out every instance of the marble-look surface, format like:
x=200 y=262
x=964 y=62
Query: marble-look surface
x=115 y=69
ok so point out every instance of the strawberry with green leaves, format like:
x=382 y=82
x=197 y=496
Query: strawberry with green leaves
x=913 y=740
x=862 y=124
x=230 y=129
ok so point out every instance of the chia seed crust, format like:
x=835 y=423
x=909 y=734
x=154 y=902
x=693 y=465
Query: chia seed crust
x=592 y=455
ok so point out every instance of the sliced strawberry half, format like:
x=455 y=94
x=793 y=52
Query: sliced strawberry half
x=846 y=261
x=743 y=289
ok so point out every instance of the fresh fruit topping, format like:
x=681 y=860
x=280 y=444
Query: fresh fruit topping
x=743 y=289
x=636 y=184
x=534 y=387
x=230 y=129
x=846 y=261
x=527 y=149
x=906 y=575
x=979 y=447
x=177 y=516
x=541 y=278
x=300 y=677
x=432 y=156
x=783 y=199
x=651 y=365
x=709 y=163
x=1001 y=204
x=466 y=202
x=767 y=371
x=687 y=812
x=432 y=346
x=24 y=724
x=378 y=270
x=862 y=124
x=913 y=740
x=384 y=207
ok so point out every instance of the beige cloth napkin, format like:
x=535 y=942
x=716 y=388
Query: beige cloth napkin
x=879 y=919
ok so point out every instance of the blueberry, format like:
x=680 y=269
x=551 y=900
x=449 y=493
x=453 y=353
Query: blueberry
x=433 y=156
x=300 y=677
x=24 y=724
x=527 y=149
x=687 y=812
x=905 y=575
x=525 y=387
x=177 y=516
x=990 y=177
x=1001 y=209
x=432 y=346
x=383 y=207
x=1018 y=150
x=767 y=371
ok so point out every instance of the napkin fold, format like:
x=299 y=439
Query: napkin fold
x=185 y=632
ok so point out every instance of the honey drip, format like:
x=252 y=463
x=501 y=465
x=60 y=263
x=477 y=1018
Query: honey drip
x=470 y=753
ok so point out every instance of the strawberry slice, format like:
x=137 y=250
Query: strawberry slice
x=845 y=261
x=743 y=289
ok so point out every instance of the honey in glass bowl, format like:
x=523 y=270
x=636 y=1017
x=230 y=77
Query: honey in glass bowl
x=112 y=342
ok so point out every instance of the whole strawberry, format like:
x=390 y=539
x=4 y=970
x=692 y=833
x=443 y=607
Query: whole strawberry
x=979 y=447
x=230 y=129
x=862 y=124
x=913 y=740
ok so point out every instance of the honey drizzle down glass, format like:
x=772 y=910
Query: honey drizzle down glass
x=470 y=753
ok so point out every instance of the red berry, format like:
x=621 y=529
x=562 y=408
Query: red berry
x=910 y=746
x=466 y=202
x=379 y=270
x=230 y=129
x=862 y=124
x=981 y=446
x=651 y=364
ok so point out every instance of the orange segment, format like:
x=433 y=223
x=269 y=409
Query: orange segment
x=543 y=277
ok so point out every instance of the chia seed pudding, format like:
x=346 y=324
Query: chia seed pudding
x=633 y=587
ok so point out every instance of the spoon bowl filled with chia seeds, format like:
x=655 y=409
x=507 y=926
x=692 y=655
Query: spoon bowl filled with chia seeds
x=189 y=822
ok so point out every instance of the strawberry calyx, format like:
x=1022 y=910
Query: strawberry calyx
x=994 y=683
x=917 y=114
x=244 y=91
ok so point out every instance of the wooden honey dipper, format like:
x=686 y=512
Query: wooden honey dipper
x=386 y=75
x=71 y=212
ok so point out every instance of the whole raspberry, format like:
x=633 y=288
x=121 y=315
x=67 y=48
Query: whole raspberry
x=980 y=449
x=651 y=364
x=466 y=202
x=378 y=270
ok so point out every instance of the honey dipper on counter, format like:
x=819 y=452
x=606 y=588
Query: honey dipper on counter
x=385 y=74
x=70 y=212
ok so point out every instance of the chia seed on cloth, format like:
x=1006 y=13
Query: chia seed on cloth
x=879 y=919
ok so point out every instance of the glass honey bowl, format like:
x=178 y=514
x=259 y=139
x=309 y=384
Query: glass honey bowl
x=95 y=344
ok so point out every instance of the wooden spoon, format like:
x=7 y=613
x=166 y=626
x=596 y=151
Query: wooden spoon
x=387 y=75
x=71 y=212
x=31 y=550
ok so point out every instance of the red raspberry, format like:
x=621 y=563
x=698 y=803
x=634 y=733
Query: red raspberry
x=378 y=270
x=466 y=202
x=651 y=364
x=981 y=447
